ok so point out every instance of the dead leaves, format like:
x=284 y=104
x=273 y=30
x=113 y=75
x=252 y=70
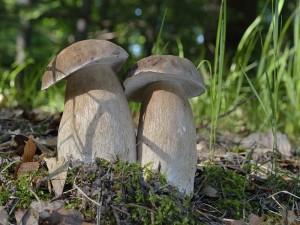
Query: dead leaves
x=3 y=216
x=57 y=168
x=26 y=162
x=49 y=213
x=58 y=174
x=265 y=141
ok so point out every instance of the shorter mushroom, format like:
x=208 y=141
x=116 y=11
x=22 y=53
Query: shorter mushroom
x=96 y=121
x=166 y=132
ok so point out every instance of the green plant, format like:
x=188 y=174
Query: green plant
x=8 y=86
x=270 y=59
x=27 y=191
x=157 y=47
x=4 y=195
x=232 y=190
x=217 y=79
x=27 y=93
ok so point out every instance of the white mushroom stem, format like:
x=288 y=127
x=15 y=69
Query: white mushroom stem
x=167 y=134
x=96 y=121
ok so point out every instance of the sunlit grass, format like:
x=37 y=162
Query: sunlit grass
x=271 y=62
x=29 y=96
x=217 y=78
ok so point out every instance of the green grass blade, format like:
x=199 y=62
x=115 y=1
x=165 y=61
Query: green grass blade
x=156 y=48
x=255 y=92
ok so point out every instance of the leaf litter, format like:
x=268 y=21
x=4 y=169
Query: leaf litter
x=102 y=193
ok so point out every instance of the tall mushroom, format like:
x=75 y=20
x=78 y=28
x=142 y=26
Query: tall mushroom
x=166 y=132
x=96 y=121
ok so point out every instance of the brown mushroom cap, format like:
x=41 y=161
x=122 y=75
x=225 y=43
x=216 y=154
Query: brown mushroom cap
x=82 y=54
x=163 y=68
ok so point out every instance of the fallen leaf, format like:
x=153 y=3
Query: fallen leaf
x=210 y=191
x=265 y=140
x=58 y=172
x=29 y=151
x=236 y=222
x=37 y=210
x=3 y=216
x=29 y=166
x=28 y=155
x=290 y=218
x=255 y=220
x=50 y=213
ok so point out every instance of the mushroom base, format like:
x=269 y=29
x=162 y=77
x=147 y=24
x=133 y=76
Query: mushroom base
x=96 y=121
x=167 y=134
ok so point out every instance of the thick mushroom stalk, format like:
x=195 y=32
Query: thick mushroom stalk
x=166 y=132
x=96 y=121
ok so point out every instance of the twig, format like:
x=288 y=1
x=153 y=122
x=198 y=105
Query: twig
x=116 y=215
x=85 y=195
x=285 y=192
x=277 y=202
x=122 y=211
x=98 y=214
x=139 y=206
x=69 y=190
x=14 y=206
x=35 y=195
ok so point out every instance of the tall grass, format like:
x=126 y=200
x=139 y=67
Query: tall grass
x=217 y=79
x=158 y=47
x=270 y=60
x=276 y=75
x=8 y=86
x=29 y=96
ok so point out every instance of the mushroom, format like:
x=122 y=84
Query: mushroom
x=166 y=132
x=96 y=120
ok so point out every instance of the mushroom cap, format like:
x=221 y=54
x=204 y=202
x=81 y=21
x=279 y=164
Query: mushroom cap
x=80 y=55
x=163 y=68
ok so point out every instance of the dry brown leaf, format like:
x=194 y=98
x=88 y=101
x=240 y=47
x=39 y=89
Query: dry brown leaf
x=28 y=155
x=236 y=222
x=255 y=220
x=29 y=166
x=37 y=211
x=59 y=168
x=50 y=213
x=29 y=151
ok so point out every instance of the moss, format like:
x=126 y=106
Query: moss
x=135 y=194
x=238 y=149
x=128 y=197
x=27 y=188
x=232 y=188
x=5 y=193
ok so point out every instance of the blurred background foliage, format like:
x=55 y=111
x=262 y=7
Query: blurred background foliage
x=33 y=31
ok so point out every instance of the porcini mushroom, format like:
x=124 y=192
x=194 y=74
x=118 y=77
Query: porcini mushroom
x=96 y=120
x=166 y=132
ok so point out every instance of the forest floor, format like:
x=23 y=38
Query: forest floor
x=244 y=181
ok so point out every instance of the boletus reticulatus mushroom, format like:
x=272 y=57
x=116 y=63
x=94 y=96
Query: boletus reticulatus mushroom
x=96 y=120
x=166 y=132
